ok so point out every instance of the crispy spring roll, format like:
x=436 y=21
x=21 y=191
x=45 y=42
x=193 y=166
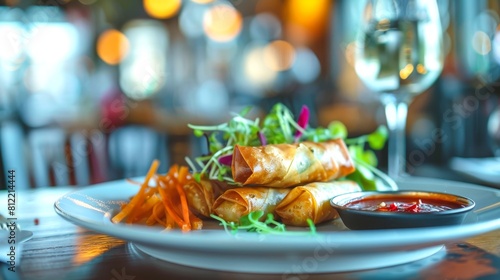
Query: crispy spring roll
x=237 y=202
x=286 y=165
x=201 y=195
x=312 y=201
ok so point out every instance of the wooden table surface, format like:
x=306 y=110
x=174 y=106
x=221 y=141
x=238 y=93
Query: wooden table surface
x=61 y=250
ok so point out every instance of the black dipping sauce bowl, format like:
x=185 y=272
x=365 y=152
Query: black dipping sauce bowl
x=356 y=217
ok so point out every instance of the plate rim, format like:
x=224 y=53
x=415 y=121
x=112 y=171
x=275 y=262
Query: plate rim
x=341 y=240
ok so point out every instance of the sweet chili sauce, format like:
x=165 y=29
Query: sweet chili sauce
x=407 y=204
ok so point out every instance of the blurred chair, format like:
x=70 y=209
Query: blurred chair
x=48 y=162
x=132 y=148
x=13 y=156
x=52 y=156
x=45 y=157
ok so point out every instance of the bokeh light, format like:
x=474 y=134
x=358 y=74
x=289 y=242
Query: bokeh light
x=265 y=26
x=12 y=46
x=112 y=46
x=307 y=20
x=52 y=41
x=191 y=19
x=222 y=23
x=406 y=71
x=306 y=67
x=496 y=46
x=279 y=55
x=254 y=68
x=202 y=1
x=481 y=43
x=162 y=9
x=143 y=71
x=421 y=69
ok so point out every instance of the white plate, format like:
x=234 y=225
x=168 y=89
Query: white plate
x=333 y=249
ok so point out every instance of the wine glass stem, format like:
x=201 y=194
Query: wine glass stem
x=396 y=112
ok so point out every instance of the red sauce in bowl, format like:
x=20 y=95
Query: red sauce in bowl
x=407 y=204
x=400 y=209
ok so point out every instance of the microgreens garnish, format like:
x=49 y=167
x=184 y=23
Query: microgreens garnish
x=279 y=126
x=253 y=222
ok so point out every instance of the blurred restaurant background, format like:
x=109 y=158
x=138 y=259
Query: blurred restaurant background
x=94 y=90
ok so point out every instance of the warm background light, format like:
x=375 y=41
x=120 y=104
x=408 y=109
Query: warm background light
x=279 y=55
x=112 y=46
x=255 y=68
x=406 y=71
x=162 y=9
x=222 y=23
x=307 y=20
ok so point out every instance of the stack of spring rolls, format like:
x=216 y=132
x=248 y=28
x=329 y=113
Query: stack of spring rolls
x=295 y=182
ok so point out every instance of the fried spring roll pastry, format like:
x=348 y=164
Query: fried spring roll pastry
x=286 y=165
x=202 y=195
x=312 y=201
x=237 y=202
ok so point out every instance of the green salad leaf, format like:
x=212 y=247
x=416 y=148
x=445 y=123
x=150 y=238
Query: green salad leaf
x=254 y=222
x=280 y=126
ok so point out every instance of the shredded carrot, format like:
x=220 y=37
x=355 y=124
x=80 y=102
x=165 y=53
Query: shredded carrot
x=157 y=215
x=182 y=196
x=163 y=203
x=136 y=200
x=170 y=209
x=145 y=209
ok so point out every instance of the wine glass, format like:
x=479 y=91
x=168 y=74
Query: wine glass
x=399 y=54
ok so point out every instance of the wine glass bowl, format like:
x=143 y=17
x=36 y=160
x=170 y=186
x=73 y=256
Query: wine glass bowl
x=399 y=54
